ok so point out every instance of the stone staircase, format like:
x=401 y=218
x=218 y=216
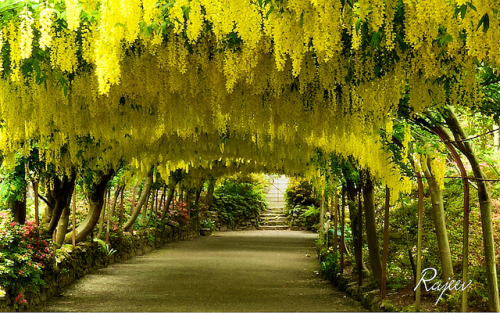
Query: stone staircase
x=273 y=219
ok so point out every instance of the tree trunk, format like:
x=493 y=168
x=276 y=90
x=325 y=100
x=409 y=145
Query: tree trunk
x=145 y=207
x=439 y=222
x=485 y=206
x=62 y=226
x=122 y=209
x=353 y=214
x=142 y=200
x=197 y=204
x=335 y=222
x=371 y=229
x=342 y=232
x=96 y=196
x=359 y=248
x=18 y=202
x=37 y=214
x=210 y=192
x=322 y=210
x=171 y=190
x=59 y=198
x=385 y=251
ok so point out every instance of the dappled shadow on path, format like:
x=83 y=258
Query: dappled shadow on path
x=231 y=271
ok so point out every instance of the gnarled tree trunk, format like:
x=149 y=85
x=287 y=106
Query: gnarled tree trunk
x=96 y=201
x=59 y=198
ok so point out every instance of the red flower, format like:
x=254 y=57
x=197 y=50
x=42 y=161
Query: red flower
x=20 y=299
x=12 y=224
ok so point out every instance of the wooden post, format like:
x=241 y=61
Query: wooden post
x=73 y=239
x=359 y=248
x=419 y=238
x=342 y=242
x=335 y=221
x=385 y=251
x=35 y=190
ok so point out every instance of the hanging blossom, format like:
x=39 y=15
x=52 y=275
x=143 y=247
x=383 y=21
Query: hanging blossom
x=26 y=33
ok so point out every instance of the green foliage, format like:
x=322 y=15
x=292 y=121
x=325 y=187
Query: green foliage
x=23 y=256
x=106 y=248
x=208 y=224
x=235 y=199
x=330 y=266
x=300 y=193
x=13 y=182
x=311 y=211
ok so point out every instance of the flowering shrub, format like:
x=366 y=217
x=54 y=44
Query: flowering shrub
x=179 y=214
x=23 y=255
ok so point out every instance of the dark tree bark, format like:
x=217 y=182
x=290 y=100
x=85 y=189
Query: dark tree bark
x=385 y=251
x=59 y=198
x=342 y=232
x=353 y=215
x=371 y=230
x=170 y=196
x=210 y=192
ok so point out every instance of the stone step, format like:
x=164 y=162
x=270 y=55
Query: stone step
x=273 y=227
x=274 y=210
x=274 y=223
x=274 y=218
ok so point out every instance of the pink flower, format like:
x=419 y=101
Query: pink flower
x=20 y=298
x=12 y=224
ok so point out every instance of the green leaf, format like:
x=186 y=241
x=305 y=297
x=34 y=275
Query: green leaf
x=485 y=21
x=375 y=42
x=463 y=10
x=358 y=25
x=301 y=19
x=271 y=9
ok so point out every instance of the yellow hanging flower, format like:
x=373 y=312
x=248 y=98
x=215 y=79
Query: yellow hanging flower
x=73 y=10
x=46 y=30
x=26 y=33
x=1 y=46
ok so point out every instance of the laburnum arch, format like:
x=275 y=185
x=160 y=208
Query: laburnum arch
x=177 y=82
x=254 y=84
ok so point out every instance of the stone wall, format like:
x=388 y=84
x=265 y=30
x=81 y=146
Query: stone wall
x=240 y=223
x=86 y=257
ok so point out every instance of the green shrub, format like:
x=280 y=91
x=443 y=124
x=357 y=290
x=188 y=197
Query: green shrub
x=207 y=224
x=235 y=199
x=299 y=193
x=330 y=266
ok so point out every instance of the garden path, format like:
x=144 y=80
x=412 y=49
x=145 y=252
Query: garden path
x=230 y=271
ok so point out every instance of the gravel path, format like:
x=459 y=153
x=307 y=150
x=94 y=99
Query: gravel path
x=230 y=271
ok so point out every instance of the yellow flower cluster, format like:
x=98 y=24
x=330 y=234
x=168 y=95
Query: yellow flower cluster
x=63 y=54
x=193 y=83
x=2 y=43
x=46 y=30
x=438 y=169
x=26 y=33
x=73 y=10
